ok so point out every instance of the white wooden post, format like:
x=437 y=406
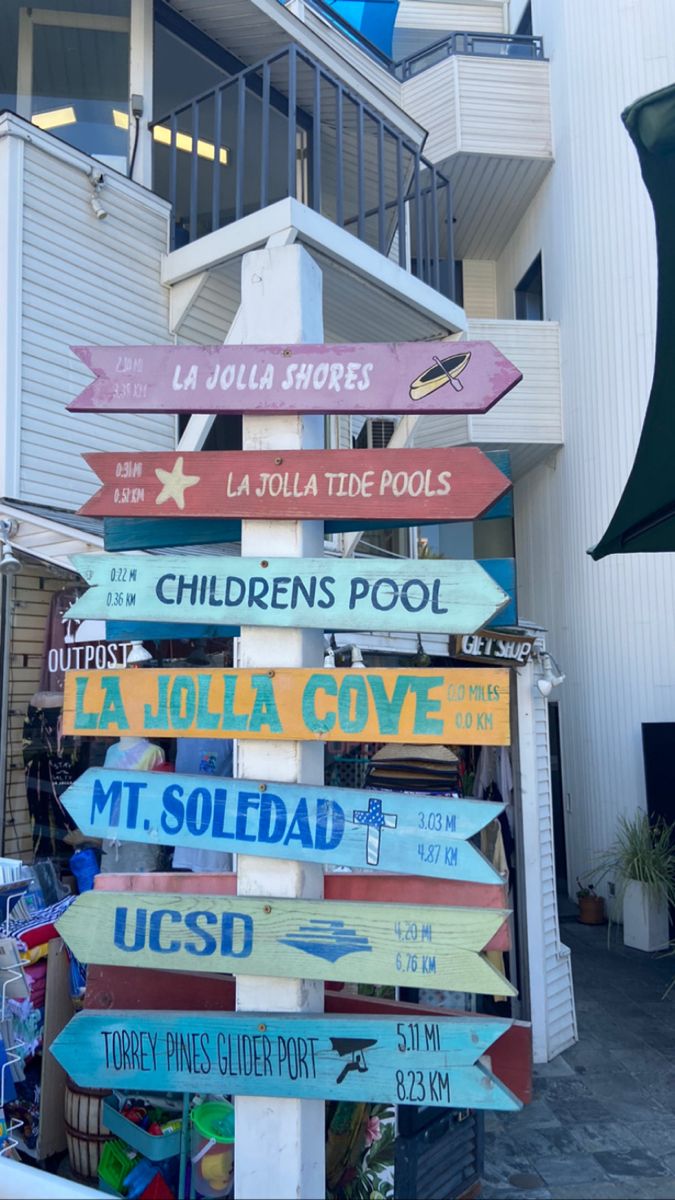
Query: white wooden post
x=140 y=84
x=280 y=1144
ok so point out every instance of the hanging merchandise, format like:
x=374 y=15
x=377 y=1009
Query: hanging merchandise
x=203 y=756
x=131 y=754
x=51 y=766
x=414 y=768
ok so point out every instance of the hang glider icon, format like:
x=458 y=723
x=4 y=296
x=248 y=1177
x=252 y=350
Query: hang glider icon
x=354 y=1047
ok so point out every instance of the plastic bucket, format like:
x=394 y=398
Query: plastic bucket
x=212 y=1148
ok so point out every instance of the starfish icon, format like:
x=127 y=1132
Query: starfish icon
x=174 y=483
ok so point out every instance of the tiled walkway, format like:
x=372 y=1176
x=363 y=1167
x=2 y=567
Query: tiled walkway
x=602 y=1122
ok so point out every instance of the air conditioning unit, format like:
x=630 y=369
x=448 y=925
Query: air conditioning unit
x=375 y=434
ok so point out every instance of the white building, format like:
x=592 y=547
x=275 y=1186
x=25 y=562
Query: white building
x=148 y=147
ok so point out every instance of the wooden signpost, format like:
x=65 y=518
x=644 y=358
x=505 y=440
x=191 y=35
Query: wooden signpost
x=406 y=945
x=412 y=834
x=316 y=593
x=376 y=705
x=422 y=486
x=419 y=1060
x=485 y=646
x=420 y=377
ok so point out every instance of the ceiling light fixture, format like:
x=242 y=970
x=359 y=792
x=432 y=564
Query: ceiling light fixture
x=162 y=134
x=54 y=118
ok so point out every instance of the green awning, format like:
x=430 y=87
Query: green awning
x=645 y=516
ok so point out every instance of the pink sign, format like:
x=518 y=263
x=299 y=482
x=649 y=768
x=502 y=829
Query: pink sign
x=399 y=377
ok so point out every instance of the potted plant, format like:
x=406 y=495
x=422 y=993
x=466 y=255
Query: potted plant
x=591 y=906
x=643 y=862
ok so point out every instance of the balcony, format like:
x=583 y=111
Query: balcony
x=528 y=421
x=485 y=100
x=286 y=127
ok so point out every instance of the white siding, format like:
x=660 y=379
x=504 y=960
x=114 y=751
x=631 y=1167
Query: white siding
x=561 y=1027
x=480 y=287
x=504 y=107
x=431 y=98
x=550 y=988
x=478 y=105
x=611 y=624
x=446 y=14
x=209 y=318
x=421 y=22
x=85 y=282
x=531 y=414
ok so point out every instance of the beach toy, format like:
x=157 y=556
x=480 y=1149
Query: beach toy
x=212 y=1147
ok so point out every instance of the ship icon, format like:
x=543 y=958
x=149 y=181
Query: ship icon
x=327 y=939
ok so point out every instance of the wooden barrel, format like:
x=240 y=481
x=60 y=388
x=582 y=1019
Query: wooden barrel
x=85 y=1131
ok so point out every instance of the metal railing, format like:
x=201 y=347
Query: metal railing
x=287 y=127
x=487 y=45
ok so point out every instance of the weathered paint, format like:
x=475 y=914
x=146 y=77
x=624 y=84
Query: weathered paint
x=364 y=887
x=486 y=646
x=503 y=572
x=410 y=945
x=312 y=593
x=421 y=1060
x=128 y=988
x=416 y=485
x=420 y=377
x=147 y=533
x=411 y=834
x=375 y=705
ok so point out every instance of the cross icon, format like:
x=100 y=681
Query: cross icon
x=375 y=820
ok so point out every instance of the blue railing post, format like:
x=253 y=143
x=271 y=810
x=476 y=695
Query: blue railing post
x=292 y=122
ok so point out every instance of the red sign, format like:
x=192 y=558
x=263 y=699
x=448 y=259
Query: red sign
x=420 y=485
x=399 y=377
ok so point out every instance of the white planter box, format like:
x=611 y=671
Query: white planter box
x=645 y=919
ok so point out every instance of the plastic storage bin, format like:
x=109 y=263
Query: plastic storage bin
x=150 y=1145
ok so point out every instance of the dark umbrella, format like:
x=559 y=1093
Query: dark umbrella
x=645 y=516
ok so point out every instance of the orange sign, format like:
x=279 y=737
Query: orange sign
x=379 y=705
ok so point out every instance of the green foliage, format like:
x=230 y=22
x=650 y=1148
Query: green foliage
x=643 y=852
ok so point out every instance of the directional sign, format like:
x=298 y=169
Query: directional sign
x=420 y=486
x=318 y=593
x=410 y=945
x=420 y=377
x=296 y=703
x=413 y=834
x=147 y=533
x=420 y=1060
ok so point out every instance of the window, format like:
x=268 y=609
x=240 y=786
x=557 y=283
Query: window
x=65 y=67
x=530 y=294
